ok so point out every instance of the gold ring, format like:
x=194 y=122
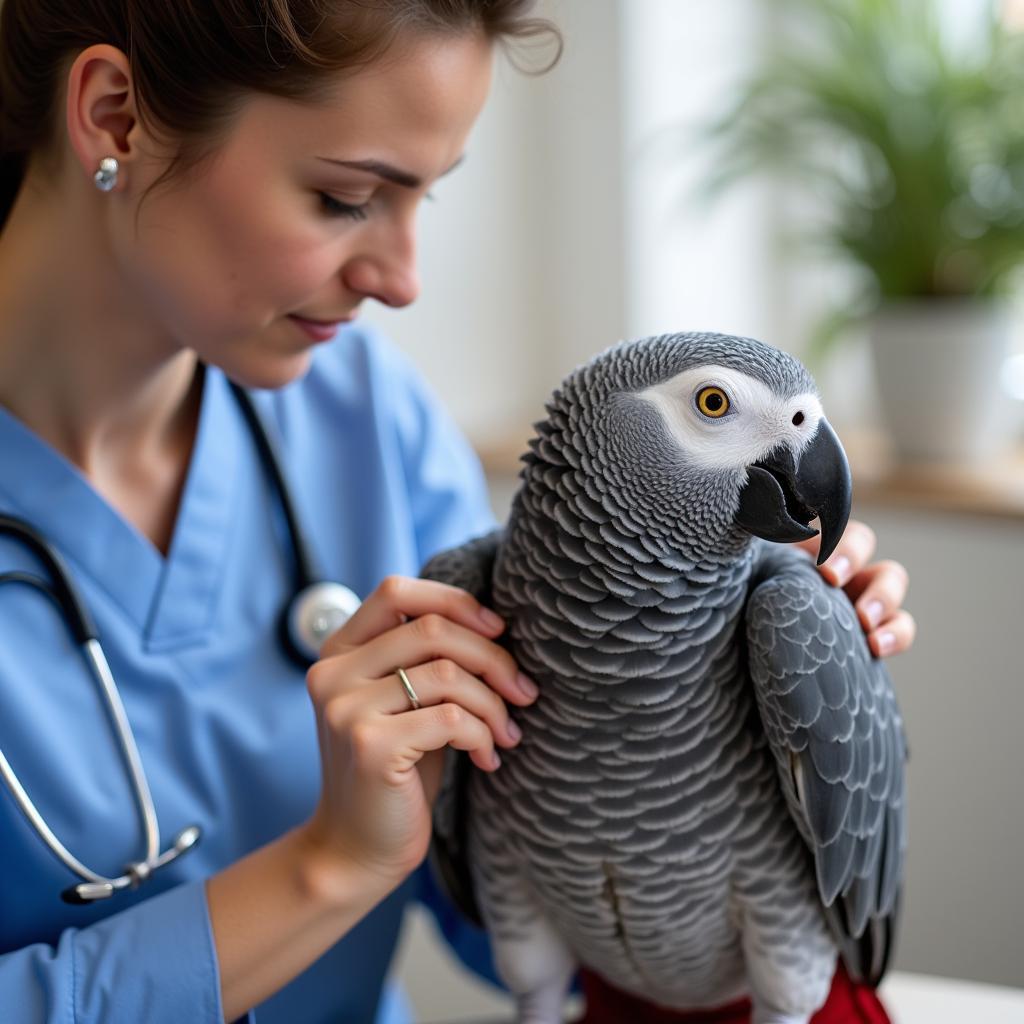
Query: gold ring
x=409 y=691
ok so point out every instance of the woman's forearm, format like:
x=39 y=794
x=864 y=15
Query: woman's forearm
x=275 y=911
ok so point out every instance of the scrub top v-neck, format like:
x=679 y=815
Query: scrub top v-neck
x=171 y=600
x=225 y=729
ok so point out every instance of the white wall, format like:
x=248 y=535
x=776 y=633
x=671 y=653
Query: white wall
x=691 y=266
x=482 y=304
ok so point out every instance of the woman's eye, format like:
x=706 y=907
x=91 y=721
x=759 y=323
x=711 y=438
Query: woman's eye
x=336 y=208
x=713 y=402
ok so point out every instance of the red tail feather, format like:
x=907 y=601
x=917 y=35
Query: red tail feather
x=847 y=1003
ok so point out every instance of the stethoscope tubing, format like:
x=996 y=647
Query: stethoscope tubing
x=305 y=572
x=62 y=591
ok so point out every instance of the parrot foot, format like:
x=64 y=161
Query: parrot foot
x=542 y=1007
x=762 y=1016
x=535 y=965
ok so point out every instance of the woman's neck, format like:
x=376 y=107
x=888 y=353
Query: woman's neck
x=79 y=363
x=82 y=367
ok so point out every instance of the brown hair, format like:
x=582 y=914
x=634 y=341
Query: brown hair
x=194 y=61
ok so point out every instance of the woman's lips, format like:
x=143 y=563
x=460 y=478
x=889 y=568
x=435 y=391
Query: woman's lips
x=318 y=330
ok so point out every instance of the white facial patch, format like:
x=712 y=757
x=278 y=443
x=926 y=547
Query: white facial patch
x=757 y=421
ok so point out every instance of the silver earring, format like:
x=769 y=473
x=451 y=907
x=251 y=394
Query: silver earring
x=106 y=176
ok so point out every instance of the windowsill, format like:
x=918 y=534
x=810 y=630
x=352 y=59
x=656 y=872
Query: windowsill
x=992 y=489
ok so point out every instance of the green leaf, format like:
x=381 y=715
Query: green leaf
x=912 y=144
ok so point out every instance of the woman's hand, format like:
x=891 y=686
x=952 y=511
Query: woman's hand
x=382 y=758
x=877 y=590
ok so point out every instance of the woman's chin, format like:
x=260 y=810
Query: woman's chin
x=271 y=372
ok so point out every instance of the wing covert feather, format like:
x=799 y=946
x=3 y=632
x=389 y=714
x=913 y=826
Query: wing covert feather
x=835 y=730
x=469 y=566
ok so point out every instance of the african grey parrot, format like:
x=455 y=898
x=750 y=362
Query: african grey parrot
x=707 y=802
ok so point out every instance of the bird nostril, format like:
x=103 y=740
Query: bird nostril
x=798 y=419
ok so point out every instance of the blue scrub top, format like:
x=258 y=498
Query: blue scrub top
x=226 y=732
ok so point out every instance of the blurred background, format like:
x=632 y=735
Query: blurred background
x=843 y=179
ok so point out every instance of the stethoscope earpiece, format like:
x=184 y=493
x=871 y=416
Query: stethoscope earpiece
x=135 y=874
x=87 y=892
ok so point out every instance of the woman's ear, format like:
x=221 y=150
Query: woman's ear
x=101 y=109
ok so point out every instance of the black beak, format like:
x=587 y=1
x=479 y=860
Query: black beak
x=782 y=496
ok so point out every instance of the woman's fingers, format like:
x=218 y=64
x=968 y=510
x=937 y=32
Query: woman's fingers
x=450 y=725
x=443 y=640
x=444 y=682
x=878 y=593
x=432 y=637
x=399 y=598
x=852 y=553
x=397 y=743
x=893 y=636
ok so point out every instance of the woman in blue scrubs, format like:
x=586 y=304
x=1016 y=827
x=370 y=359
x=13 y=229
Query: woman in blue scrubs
x=270 y=156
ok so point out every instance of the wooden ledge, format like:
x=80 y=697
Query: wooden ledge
x=993 y=488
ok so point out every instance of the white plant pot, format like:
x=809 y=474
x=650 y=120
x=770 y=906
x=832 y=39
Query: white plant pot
x=937 y=365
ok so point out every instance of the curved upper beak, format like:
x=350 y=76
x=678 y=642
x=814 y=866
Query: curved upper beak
x=783 y=494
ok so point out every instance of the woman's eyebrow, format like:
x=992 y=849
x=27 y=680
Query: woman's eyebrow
x=386 y=171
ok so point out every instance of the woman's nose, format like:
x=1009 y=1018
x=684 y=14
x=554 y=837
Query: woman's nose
x=385 y=272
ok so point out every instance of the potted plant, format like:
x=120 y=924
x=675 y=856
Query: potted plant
x=911 y=144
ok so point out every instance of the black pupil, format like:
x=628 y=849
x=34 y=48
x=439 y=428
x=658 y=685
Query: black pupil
x=713 y=401
x=798 y=419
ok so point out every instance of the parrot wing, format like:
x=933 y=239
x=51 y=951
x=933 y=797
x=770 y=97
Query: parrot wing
x=471 y=567
x=834 y=728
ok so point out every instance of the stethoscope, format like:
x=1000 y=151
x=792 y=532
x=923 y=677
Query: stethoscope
x=315 y=610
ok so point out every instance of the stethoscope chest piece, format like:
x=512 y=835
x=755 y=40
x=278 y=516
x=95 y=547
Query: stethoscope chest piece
x=315 y=613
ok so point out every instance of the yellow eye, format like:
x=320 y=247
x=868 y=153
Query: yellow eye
x=713 y=402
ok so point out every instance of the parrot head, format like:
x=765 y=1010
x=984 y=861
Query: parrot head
x=717 y=436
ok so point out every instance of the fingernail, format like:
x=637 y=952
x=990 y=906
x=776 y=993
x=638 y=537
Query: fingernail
x=527 y=685
x=886 y=643
x=841 y=567
x=515 y=734
x=496 y=760
x=490 y=620
x=873 y=612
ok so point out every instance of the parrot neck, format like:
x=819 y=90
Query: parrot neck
x=579 y=548
x=592 y=606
